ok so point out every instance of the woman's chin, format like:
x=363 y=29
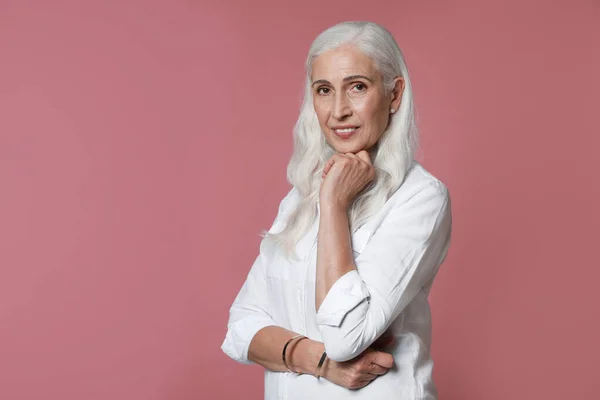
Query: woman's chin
x=352 y=145
x=349 y=148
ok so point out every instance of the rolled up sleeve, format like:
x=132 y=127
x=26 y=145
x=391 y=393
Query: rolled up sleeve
x=401 y=258
x=345 y=294
x=249 y=312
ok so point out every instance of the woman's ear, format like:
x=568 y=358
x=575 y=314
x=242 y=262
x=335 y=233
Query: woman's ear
x=397 y=93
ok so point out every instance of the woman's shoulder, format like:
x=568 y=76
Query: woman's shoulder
x=286 y=205
x=291 y=198
x=419 y=182
x=419 y=176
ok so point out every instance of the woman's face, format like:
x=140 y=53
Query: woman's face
x=349 y=99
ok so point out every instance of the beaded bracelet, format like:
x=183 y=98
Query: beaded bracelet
x=285 y=348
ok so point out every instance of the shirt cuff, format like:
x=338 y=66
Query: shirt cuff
x=345 y=294
x=238 y=338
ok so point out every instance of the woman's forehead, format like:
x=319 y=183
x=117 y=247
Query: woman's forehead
x=341 y=63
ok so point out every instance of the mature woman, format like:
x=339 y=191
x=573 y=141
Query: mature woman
x=335 y=305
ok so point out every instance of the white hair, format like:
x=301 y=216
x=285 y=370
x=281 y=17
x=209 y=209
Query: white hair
x=392 y=156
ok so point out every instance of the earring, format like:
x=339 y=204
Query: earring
x=392 y=111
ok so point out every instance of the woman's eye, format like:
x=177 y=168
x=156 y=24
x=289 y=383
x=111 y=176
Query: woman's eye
x=322 y=90
x=359 y=87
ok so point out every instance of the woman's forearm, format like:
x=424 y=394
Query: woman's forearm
x=334 y=250
x=267 y=345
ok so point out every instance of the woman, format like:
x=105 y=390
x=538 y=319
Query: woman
x=335 y=305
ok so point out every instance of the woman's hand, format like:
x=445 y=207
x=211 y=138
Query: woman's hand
x=360 y=371
x=344 y=176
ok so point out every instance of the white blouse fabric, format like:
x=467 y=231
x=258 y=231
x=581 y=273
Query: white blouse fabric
x=397 y=255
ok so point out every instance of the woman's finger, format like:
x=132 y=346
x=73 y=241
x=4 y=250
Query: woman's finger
x=365 y=380
x=361 y=383
x=364 y=155
x=332 y=161
x=328 y=166
x=377 y=369
x=381 y=358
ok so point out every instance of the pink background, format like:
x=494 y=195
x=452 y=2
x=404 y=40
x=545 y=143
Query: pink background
x=143 y=147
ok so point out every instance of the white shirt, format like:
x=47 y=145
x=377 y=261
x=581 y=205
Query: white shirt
x=397 y=255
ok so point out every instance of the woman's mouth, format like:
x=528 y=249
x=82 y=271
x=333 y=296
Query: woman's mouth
x=345 y=133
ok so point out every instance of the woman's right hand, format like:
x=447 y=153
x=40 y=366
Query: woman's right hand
x=360 y=371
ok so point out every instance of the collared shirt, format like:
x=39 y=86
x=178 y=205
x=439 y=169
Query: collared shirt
x=397 y=253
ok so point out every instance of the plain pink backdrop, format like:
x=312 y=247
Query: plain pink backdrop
x=143 y=147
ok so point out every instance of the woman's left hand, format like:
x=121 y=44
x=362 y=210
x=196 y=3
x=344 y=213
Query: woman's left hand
x=344 y=176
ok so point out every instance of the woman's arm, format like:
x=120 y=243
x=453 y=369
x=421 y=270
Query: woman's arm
x=403 y=255
x=254 y=337
x=249 y=312
x=303 y=356
x=334 y=250
x=267 y=345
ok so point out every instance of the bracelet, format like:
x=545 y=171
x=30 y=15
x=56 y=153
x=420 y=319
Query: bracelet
x=297 y=341
x=285 y=348
x=321 y=361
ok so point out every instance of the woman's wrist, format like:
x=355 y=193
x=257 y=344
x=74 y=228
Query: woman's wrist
x=330 y=206
x=305 y=356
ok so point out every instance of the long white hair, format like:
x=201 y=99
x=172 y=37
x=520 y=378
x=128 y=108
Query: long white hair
x=392 y=156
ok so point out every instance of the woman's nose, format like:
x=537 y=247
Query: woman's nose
x=341 y=108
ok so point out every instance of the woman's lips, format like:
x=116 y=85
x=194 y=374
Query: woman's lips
x=345 y=133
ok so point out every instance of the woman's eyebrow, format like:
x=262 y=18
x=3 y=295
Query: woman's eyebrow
x=353 y=77
x=348 y=78
x=320 y=81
